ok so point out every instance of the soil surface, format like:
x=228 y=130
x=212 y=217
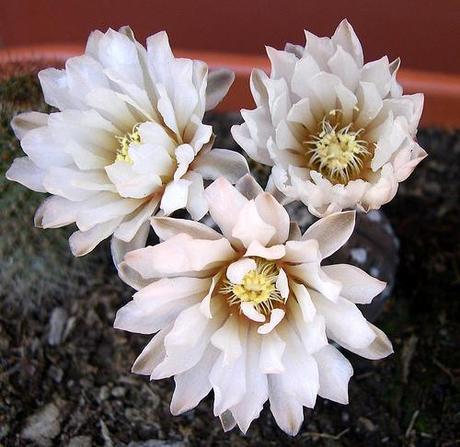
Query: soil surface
x=65 y=372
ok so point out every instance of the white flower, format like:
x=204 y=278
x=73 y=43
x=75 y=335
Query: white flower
x=128 y=139
x=339 y=134
x=248 y=313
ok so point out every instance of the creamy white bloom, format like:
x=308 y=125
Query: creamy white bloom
x=249 y=313
x=128 y=139
x=339 y=133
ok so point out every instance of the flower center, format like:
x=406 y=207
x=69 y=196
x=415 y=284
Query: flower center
x=125 y=141
x=257 y=287
x=337 y=153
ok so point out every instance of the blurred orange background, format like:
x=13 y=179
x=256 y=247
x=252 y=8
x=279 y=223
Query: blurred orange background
x=424 y=33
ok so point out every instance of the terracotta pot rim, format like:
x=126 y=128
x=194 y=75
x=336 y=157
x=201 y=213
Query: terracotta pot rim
x=441 y=90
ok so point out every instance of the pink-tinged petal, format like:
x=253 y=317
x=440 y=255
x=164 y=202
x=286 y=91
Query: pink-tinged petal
x=225 y=204
x=249 y=310
x=296 y=387
x=193 y=385
x=274 y=214
x=282 y=284
x=248 y=186
x=304 y=301
x=238 y=269
x=344 y=321
x=276 y=316
x=302 y=251
x=250 y=226
x=152 y=355
x=357 y=285
x=227 y=340
x=313 y=276
x=271 y=353
x=221 y=163
x=251 y=405
x=219 y=83
x=381 y=346
x=187 y=341
x=257 y=249
x=332 y=232
x=179 y=254
x=158 y=304
x=25 y=172
x=168 y=227
x=229 y=380
x=334 y=374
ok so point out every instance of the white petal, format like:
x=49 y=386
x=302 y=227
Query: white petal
x=282 y=284
x=227 y=340
x=197 y=205
x=344 y=321
x=302 y=251
x=219 y=82
x=193 y=385
x=276 y=315
x=312 y=275
x=152 y=355
x=82 y=242
x=22 y=123
x=271 y=353
x=334 y=374
x=331 y=232
x=184 y=155
x=345 y=36
x=381 y=346
x=175 y=196
x=237 y=270
x=24 y=171
x=303 y=300
x=357 y=285
x=248 y=309
x=221 y=163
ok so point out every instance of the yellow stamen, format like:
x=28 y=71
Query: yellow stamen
x=257 y=287
x=124 y=142
x=337 y=153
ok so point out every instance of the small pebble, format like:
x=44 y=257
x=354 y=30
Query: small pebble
x=57 y=323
